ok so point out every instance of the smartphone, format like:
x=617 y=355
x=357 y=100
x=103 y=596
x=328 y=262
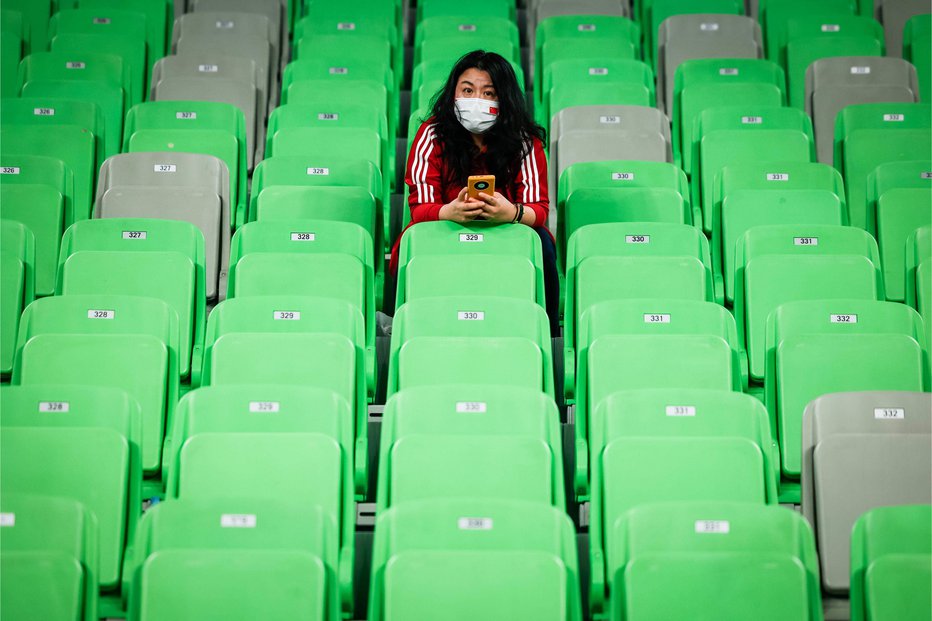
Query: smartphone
x=480 y=183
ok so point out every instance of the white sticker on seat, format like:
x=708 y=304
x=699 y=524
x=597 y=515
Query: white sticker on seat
x=889 y=413
x=328 y=116
x=637 y=239
x=339 y=70
x=101 y=314
x=471 y=237
x=258 y=407
x=226 y=24
x=54 y=406
x=318 y=171
x=471 y=316
x=598 y=70
x=474 y=523
x=208 y=68
x=7 y=519
x=681 y=410
x=623 y=176
x=860 y=70
x=922 y=175
x=9 y=170
x=586 y=27
x=709 y=27
x=186 y=116
x=346 y=26
x=728 y=71
x=752 y=120
x=610 y=120
x=43 y=111
x=470 y=407
x=843 y=318
x=467 y=28
x=135 y=234
x=287 y=315
x=716 y=527
x=830 y=28
x=74 y=64
x=101 y=21
x=805 y=241
x=778 y=177
x=656 y=318
x=301 y=236
x=238 y=520
x=165 y=168
x=894 y=118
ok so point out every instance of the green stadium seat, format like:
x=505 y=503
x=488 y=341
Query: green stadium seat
x=267 y=258
x=619 y=191
x=35 y=19
x=174 y=186
x=731 y=135
x=48 y=557
x=513 y=253
x=861 y=450
x=890 y=571
x=504 y=9
x=776 y=15
x=11 y=53
x=917 y=49
x=820 y=346
x=867 y=135
x=783 y=263
x=732 y=560
x=899 y=196
x=39 y=209
x=18 y=261
x=235 y=557
x=471 y=316
x=466 y=31
x=143 y=257
x=701 y=35
x=72 y=146
x=758 y=194
x=836 y=82
x=368 y=19
x=475 y=557
x=894 y=14
x=131 y=51
x=918 y=271
x=595 y=81
x=706 y=83
x=158 y=18
x=106 y=341
x=91 y=456
x=431 y=74
x=209 y=128
x=53 y=112
x=648 y=343
x=659 y=260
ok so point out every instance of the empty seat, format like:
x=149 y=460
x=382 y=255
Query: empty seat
x=141 y=257
x=782 y=263
x=894 y=14
x=35 y=19
x=917 y=49
x=41 y=170
x=836 y=82
x=890 y=569
x=52 y=112
x=918 y=271
x=474 y=557
x=757 y=194
x=654 y=12
x=157 y=20
x=18 y=285
x=49 y=558
x=861 y=450
x=237 y=556
x=765 y=556
x=775 y=18
x=823 y=346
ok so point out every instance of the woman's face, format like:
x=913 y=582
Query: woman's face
x=475 y=83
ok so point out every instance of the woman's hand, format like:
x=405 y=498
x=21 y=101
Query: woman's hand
x=497 y=208
x=462 y=209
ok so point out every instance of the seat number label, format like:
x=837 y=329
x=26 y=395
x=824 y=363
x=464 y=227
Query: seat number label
x=338 y=70
x=467 y=28
x=715 y=527
x=7 y=519
x=586 y=27
x=922 y=175
x=656 y=318
x=318 y=171
x=44 y=111
x=303 y=237
x=471 y=237
x=238 y=520
x=471 y=316
x=474 y=523
x=75 y=65
x=101 y=20
x=328 y=116
x=860 y=70
x=258 y=407
x=610 y=120
x=598 y=70
x=709 y=27
x=287 y=315
x=831 y=28
x=805 y=241
x=637 y=239
x=134 y=234
x=752 y=120
x=226 y=25
x=681 y=410
x=778 y=177
x=9 y=170
x=100 y=314
x=890 y=413
x=728 y=71
x=346 y=26
x=470 y=407
x=165 y=168
x=186 y=116
x=54 y=406
x=623 y=176
x=843 y=318
x=895 y=118
x=208 y=68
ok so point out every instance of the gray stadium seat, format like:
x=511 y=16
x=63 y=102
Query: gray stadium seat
x=894 y=14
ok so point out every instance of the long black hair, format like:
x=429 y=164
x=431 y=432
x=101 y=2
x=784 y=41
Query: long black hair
x=507 y=142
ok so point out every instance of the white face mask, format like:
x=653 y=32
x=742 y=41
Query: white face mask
x=476 y=115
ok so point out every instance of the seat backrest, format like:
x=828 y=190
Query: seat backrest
x=860 y=451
